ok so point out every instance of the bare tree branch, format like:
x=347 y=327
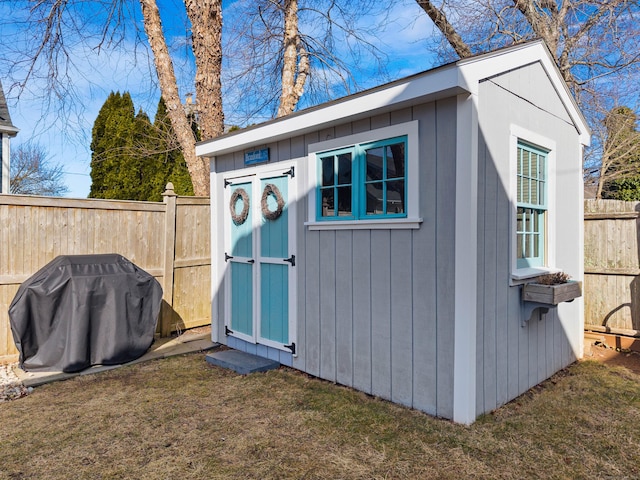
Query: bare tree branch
x=440 y=19
x=32 y=173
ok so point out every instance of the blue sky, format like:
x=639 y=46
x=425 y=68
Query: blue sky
x=97 y=73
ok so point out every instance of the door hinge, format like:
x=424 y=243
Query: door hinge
x=292 y=347
x=291 y=172
x=227 y=257
x=227 y=182
x=291 y=260
x=227 y=331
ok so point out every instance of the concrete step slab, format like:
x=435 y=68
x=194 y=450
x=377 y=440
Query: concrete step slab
x=241 y=362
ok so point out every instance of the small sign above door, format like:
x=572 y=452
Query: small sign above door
x=257 y=156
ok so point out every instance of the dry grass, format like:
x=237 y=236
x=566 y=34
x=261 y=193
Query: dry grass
x=179 y=418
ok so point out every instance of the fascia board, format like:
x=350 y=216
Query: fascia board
x=475 y=69
x=11 y=131
x=439 y=83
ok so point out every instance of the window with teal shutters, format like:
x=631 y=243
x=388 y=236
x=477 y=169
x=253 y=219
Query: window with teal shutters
x=531 y=206
x=363 y=181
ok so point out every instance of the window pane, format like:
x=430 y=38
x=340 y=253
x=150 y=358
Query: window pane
x=328 y=209
x=380 y=171
x=530 y=228
x=395 y=196
x=395 y=160
x=534 y=192
x=526 y=190
x=374 y=198
x=375 y=163
x=520 y=219
x=520 y=153
x=525 y=163
x=328 y=177
x=520 y=241
x=344 y=169
x=344 y=201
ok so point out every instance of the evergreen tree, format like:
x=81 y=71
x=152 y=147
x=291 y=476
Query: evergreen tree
x=133 y=159
x=111 y=138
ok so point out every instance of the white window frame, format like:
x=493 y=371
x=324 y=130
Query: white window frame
x=412 y=219
x=519 y=135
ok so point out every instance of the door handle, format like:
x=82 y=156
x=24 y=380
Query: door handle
x=251 y=261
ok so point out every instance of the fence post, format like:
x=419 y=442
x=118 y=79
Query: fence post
x=166 y=314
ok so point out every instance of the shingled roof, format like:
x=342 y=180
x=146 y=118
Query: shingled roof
x=5 y=119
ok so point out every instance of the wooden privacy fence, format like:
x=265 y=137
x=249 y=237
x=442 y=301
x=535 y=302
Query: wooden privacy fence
x=169 y=239
x=612 y=266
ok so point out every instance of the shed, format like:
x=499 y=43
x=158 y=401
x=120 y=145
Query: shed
x=383 y=241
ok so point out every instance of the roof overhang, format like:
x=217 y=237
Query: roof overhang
x=11 y=131
x=461 y=77
x=440 y=83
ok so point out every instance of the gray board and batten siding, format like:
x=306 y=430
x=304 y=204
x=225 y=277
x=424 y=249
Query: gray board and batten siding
x=428 y=316
x=370 y=296
x=511 y=359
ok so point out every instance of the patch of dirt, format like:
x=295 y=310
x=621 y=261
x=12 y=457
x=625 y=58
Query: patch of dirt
x=194 y=330
x=610 y=356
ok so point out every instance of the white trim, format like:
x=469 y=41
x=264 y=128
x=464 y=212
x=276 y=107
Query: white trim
x=383 y=224
x=521 y=134
x=438 y=83
x=293 y=249
x=217 y=265
x=580 y=301
x=531 y=272
x=466 y=260
x=5 y=145
x=413 y=220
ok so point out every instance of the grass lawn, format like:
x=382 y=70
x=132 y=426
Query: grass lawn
x=180 y=418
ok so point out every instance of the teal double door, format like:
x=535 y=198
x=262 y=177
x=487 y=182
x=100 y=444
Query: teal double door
x=259 y=257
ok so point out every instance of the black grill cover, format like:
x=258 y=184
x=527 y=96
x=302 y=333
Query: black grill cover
x=84 y=310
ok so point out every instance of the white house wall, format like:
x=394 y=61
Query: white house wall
x=5 y=154
x=375 y=307
x=511 y=358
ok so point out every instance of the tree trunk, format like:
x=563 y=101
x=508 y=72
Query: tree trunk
x=548 y=27
x=440 y=19
x=206 y=28
x=198 y=169
x=295 y=60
